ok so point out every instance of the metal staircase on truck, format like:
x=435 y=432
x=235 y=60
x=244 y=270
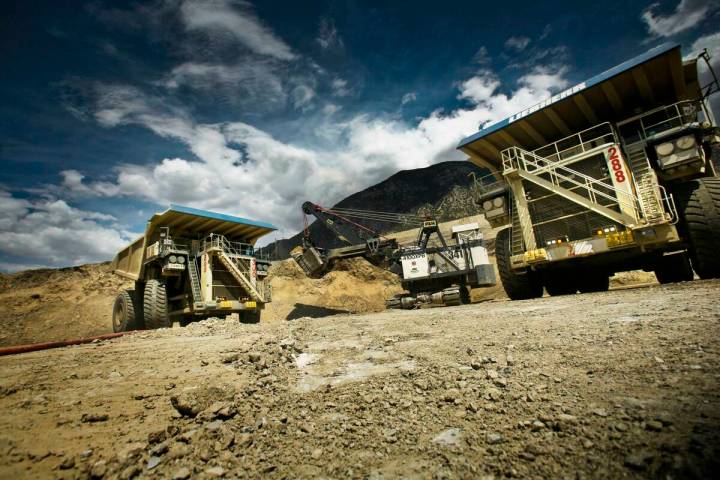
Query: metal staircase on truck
x=237 y=263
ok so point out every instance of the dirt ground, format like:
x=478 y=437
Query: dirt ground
x=61 y=304
x=619 y=384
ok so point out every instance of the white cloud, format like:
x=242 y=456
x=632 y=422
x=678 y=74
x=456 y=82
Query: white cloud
x=215 y=17
x=408 y=97
x=328 y=37
x=479 y=88
x=73 y=181
x=545 y=79
x=243 y=170
x=517 y=43
x=687 y=14
x=339 y=87
x=711 y=42
x=50 y=232
x=331 y=108
x=253 y=79
x=302 y=96
x=482 y=57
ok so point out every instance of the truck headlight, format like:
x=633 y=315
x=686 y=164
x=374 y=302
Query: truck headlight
x=683 y=143
x=181 y=259
x=498 y=202
x=487 y=205
x=173 y=259
x=664 y=149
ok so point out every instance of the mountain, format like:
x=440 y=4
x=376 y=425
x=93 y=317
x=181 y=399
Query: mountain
x=442 y=191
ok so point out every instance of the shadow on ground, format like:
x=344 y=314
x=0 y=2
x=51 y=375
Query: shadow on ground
x=312 y=311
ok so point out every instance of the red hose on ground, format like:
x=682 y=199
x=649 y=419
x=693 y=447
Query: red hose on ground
x=33 y=347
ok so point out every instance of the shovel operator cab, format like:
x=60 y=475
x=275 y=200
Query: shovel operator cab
x=192 y=264
x=617 y=173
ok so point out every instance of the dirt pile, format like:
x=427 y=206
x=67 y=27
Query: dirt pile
x=354 y=286
x=57 y=304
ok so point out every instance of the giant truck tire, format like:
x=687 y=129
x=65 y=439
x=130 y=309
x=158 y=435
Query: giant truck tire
x=699 y=202
x=126 y=312
x=590 y=282
x=516 y=286
x=560 y=283
x=673 y=268
x=249 y=316
x=155 y=306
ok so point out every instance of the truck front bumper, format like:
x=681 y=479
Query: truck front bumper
x=642 y=239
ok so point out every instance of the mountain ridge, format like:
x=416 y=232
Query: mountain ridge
x=442 y=191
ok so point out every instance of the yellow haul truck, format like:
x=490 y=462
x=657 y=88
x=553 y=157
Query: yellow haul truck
x=616 y=173
x=192 y=264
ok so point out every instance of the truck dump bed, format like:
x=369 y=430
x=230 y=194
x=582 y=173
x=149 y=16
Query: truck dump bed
x=188 y=223
x=658 y=77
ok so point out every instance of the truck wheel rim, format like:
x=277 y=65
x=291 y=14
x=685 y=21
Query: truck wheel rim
x=118 y=313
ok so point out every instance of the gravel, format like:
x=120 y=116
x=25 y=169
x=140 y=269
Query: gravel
x=422 y=393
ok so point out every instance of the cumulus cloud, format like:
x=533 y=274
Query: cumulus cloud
x=243 y=170
x=479 y=88
x=52 y=233
x=517 y=43
x=687 y=14
x=235 y=19
x=339 y=87
x=240 y=169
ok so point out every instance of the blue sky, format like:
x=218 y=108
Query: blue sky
x=109 y=111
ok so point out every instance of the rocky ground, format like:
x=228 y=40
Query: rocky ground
x=609 y=385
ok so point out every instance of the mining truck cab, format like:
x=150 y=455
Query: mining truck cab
x=192 y=264
x=616 y=173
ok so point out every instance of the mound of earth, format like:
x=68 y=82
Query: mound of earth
x=57 y=304
x=354 y=286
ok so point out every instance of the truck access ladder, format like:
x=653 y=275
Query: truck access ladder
x=517 y=245
x=562 y=180
x=237 y=264
x=195 y=284
x=645 y=182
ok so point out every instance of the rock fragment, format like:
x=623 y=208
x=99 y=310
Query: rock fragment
x=451 y=436
x=181 y=474
x=494 y=438
x=638 y=460
x=94 y=417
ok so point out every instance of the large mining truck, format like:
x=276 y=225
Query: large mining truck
x=189 y=265
x=432 y=271
x=617 y=173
